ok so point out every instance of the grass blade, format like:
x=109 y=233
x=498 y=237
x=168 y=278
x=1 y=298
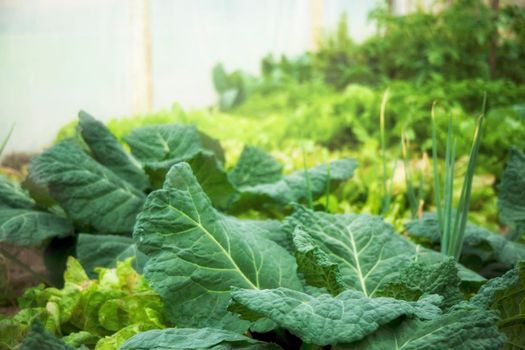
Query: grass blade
x=435 y=170
x=412 y=200
x=450 y=159
x=385 y=201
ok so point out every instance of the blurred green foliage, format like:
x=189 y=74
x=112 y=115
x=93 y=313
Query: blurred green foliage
x=328 y=101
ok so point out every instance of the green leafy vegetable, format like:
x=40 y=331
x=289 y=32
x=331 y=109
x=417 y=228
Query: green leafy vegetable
x=191 y=338
x=366 y=250
x=506 y=294
x=41 y=339
x=86 y=311
x=27 y=227
x=255 y=167
x=464 y=327
x=160 y=146
x=419 y=279
x=324 y=319
x=315 y=265
x=12 y=195
x=90 y=193
x=511 y=196
x=294 y=187
x=108 y=151
x=196 y=254
x=106 y=250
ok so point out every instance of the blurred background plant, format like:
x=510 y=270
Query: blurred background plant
x=325 y=104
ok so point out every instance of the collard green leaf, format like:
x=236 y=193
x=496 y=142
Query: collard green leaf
x=161 y=146
x=294 y=187
x=196 y=254
x=315 y=264
x=255 y=167
x=213 y=179
x=324 y=319
x=366 y=250
x=31 y=227
x=91 y=194
x=13 y=196
x=108 y=151
x=39 y=338
x=106 y=250
x=506 y=294
x=192 y=338
x=464 y=327
x=419 y=279
x=480 y=242
x=511 y=192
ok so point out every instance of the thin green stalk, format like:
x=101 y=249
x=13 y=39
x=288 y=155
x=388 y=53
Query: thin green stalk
x=450 y=159
x=466 y=190
x=435 y=170
x=405 y=147
x=307 y=179
x=4 y=143
x=385 y=201
x=25 y=267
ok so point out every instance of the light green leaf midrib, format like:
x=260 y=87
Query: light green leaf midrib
x=208 y=233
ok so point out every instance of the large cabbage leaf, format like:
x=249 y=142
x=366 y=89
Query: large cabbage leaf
x=325 y=319
x=192 y=338
x=91 y=194
x=159 y=147
x=197 y=254
x=12 y=195
x=255 y=167
x=108 y=151
x=464 y=327
x=506 y=294
x=26 y=227
x=21 y=221
x=367 y=251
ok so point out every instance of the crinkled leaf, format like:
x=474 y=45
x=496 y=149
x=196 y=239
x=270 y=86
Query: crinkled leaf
x=479 y=242
x=507 y=295
x=470 y=280
x=108 y=151
x=105 y=250
x=255 y=167
x=39 y=338
x=418 y=279
x=315 y=265
x=464 y=327
x=191 y=338
x=14 y=196
x=90 y=193
x=197 y=254
x=30 y=227
x=325 y=319
x=294 y=187
x=511 y=192
x=366 y=250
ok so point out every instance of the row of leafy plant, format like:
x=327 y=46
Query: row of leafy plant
x=315 y=279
